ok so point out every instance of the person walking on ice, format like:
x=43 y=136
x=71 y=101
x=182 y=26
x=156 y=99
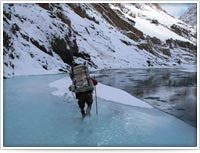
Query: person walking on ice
x=82 y=86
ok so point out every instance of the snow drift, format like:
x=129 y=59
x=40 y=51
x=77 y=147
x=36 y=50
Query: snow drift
x=103 y=91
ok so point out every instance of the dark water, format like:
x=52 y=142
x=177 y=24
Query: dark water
x=170 y=90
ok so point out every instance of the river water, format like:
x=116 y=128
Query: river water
x=170 y=90
x=33 y=117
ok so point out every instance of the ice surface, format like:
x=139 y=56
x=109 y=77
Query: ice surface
x=171 y=90
x=35 y=117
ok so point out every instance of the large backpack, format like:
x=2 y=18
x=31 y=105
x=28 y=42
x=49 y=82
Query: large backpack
x=81 y=79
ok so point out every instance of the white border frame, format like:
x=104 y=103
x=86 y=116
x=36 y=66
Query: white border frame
x=1 y=68
x=100 y=148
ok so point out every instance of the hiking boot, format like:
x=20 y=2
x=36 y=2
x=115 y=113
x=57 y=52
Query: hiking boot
x=83 y=113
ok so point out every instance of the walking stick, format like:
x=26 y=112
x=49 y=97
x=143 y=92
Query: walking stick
x=96 y=100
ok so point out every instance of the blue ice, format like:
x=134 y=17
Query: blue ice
x=33 y=117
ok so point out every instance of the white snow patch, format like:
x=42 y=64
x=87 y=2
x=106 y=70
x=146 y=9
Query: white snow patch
x=103 y=91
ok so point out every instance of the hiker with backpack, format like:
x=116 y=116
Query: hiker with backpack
x=83 y=86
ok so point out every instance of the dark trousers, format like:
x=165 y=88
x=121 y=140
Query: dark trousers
x=84 y=98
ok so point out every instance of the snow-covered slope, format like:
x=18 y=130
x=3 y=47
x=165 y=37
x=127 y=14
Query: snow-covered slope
x=41 y=38
x=27 y=47
x=152 y=20
x=190 y=16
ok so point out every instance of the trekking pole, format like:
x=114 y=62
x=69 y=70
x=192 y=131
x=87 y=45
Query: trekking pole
x=96 y=98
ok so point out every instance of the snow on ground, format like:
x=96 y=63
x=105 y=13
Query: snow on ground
x=159 y=31
x=103 y=91
x=36 y=24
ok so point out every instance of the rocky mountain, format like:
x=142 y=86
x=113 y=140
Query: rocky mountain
x=190 y=16
x=43 y=38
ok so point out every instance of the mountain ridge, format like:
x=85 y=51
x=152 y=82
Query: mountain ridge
x=190 y=16
x=42 y=38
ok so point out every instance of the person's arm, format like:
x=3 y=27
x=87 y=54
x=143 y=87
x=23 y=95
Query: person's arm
x=71 y=73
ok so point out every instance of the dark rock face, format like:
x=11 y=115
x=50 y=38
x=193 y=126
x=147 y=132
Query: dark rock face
x=146 y=47
x=44 y=5
x=40 y=46
x=7 y=42
x=81 y=12
x=186 y=45
x=155 y=40
x=165 y=51
x=178 y=43
x=180 y=31
x=112 y=17
x=60 y=47
x=155 y=21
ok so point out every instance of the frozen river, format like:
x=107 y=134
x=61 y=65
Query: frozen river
x=170 y=90
x=33 y=117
